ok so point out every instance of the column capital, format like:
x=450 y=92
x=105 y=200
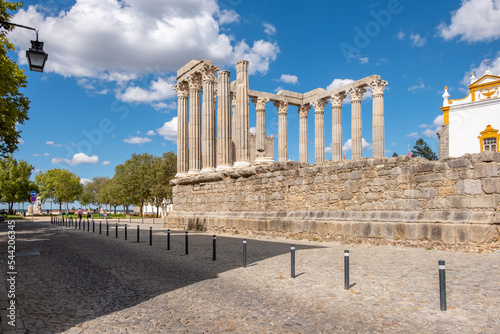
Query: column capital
x=356 y=93
x=319 y=105
x=304 y=110
x=282 y=107
x=208 y=72
x=194 y=81
x=337 y=99
x=260 y=103
x=378 y=87
x=182 y=89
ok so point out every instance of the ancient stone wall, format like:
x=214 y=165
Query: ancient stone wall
x=451 y=200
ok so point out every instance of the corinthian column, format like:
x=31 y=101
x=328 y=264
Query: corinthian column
x=356 y=94
x=194 y=81
x=242 y=115
x=224 y=122
x=319 y=130
x=378 y=87
x=282 y=130
x=303 y=147
x=260 y=136
x=208 y=114
x=182 y=128
x=337 y=126
x=233 y=128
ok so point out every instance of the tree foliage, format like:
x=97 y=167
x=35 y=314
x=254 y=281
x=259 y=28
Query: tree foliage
x=14 y=105
x=165 y=168
x=421 y=149
x=60 y=185
x=15 y=184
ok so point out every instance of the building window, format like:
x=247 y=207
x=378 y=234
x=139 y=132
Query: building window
x=489 y=139
x=490 y=144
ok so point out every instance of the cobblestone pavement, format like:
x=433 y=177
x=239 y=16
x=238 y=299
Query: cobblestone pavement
x=83 y=282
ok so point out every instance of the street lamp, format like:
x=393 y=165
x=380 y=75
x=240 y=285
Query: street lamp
x=36 y=56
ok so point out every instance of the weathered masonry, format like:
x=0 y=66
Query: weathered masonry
x=451 y=200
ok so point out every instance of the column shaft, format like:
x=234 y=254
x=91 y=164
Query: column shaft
x=356 y=94
x=378 y=87
x=282 y=130
x=337 y=126
x=260 y=135
x=182 y=128
x=303 y=133
x=242 y=114
x=208 y=114
x=194 y=81
x=224 y=122
x=319 y=130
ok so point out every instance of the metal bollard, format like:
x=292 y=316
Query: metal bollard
x=88 y=225
x=168 y=239
x=125 y=231
x=442 y=285
x=346 y=270
x=116 y=231
x=244 y=253
x=292 y=249
x=150 y=236
x=93 y=227
x=100 y=228
x=187 y=244
x=214 y=253
x=137 y=233
x=107 y=228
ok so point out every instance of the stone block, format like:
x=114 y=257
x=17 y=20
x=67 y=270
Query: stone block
x=401 y=231
x=446 y=190
x=489 y=156
x=422 y=167
x=437 y=203
x=483 y=233
x=412 y=231
x=459 y=162
x=396 y=171
x=423 y=231
x=462 y=233
x=389 y=230
x=491 y=185
x=370 y=174
x=484 y=201
x=377 y=230
x=410 y=193
x=482 y=217
x=356 y=174
x=346 y=195
x=427 y=193
x=460 y=217
x=436 y=232
x=448 y=233
x=470 y=187
x=379 y=181
x=486 y=169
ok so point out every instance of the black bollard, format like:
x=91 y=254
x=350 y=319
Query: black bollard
x=244 y=253
x=107 y=228
x=442 y=285
x=93 y=227
x=116 y=231
x=125 y=231
x=100 y=228
x=168 y=239
x=346 y=270
x=187 y=244
x=292 y=249
x=88 y=225
x=137 y=233
x=150 y=236
x=214 y=253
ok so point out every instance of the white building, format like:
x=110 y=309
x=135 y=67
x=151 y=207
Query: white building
x=471 y=124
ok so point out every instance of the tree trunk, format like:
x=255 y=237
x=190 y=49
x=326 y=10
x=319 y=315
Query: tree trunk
x=114 y=206
x=142 y=204
x=157 y=211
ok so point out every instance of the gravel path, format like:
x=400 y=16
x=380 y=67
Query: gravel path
x=83 y=282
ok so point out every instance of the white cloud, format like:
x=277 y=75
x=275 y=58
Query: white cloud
x=77 y=159
x=137 y=140
x=20 y=141
x=277 y=89
x=269 y=29
x=290 y=79
x=418 y=40
x=105 y=163
x=35 y=155
x=490 y=64
x=85 y=181
x=412 y=135
x=169 y=130
x=328 y=149
x=430 y=129
x=228 y=16
x=401 y=35
x=46 y=154
x=253 y=129
x=339 y=82
x=363 y=60
x=348 y=144
x=165 y=106
x=151 y=133
x=49 y=142
x=474 y=21
x=113 y=45
x=420 y=85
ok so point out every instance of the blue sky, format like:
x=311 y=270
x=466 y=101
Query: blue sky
x=106 y=91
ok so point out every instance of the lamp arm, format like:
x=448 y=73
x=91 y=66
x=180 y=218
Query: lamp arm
x=6 y=24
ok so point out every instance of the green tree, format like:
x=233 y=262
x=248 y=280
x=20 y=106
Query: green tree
x=165 y=168
x=15 y=184
x=14 y=105
x=91 y=190
x=421 y=149
x=394 y=154
x=60 y=185
x=136 y=177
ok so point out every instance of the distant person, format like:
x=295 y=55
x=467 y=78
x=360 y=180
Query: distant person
x=80 y=214
x=88 y=214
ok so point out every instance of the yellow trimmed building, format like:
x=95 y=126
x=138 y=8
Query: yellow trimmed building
x=471 y=124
